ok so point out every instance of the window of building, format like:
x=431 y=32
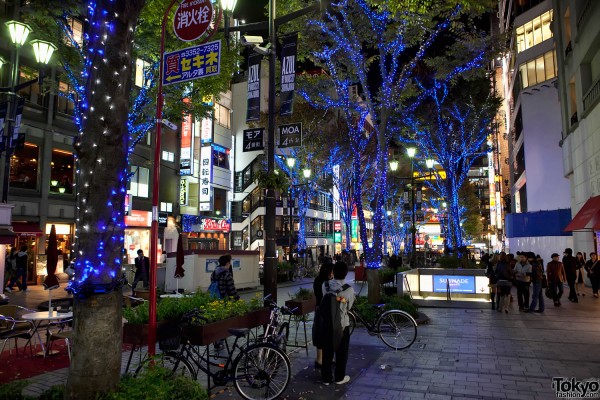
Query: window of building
x=61 y=171
x=166 y=207
x=64 y=102
x=539 y=69
x=141 y=67
x=222 y=116
x=24 y=164
x=534 y=32
x=30 y=93
x=168 y=156
x=139 y=181
x=76 y=30
x=220 y=157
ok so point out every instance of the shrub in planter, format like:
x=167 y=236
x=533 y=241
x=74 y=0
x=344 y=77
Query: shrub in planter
x=157 y=384
x=302 y=301
x=393 y=302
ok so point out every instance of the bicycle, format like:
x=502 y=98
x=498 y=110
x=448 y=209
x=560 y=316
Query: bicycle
x=277 y=331
x=259 y=371
x=396 y=328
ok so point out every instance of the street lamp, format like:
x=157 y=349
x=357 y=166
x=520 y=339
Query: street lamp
x=43 y=52
x=306 y=172
x=291 y=161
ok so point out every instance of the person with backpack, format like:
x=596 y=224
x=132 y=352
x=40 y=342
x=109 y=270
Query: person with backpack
x=333 y=325
x=223 y=277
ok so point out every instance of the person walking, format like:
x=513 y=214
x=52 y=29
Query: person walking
x=570 y=265
x=325 y=274
x=21 y=270
x=537 y=280
x=223 y=275
x=504 y=276
x=556 y=276
x=592 y=267
x=142 y=270
x=10 y=268
x=523 y=279
x=492 y=281
x=579 y=267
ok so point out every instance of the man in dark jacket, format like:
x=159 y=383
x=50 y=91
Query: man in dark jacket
x=142 y=270
x=21 y=270
x=556 y=276
x=570 y=264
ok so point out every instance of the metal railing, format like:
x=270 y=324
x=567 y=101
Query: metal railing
x=591 y=96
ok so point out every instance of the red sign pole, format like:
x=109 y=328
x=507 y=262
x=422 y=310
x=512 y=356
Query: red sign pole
x=155 y=185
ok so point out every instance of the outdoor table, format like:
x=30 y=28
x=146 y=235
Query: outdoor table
x=38 y=317
x=172 y=295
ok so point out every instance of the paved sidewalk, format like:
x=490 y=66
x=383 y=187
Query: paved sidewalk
x=460 y=354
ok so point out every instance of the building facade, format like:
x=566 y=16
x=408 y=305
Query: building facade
x=539 y=192
x=577 y=38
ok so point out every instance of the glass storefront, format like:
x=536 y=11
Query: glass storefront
x=24 y=165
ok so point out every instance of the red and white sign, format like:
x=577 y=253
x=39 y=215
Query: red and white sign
x=211 y=224
x=192 y=19
x=337 y=226
x=138 y=218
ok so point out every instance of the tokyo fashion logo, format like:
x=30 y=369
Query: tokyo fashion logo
x=572 y=388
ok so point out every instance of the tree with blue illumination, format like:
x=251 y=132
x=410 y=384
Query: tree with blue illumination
x=111 y=118
x=381 y=51
x=454 y=124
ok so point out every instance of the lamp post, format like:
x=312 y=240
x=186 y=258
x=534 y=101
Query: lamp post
x=43 y=52
x=270 y=257
x=411 y=151
x=291 y=161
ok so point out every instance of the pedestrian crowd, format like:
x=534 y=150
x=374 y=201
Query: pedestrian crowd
x=533 y=282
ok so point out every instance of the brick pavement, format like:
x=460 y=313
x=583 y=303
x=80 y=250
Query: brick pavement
x=460 y=354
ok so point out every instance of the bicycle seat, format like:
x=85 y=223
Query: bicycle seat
x=238 y=332
x=378 y=306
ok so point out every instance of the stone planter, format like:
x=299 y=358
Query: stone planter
x=302 y=307
x=203 y=335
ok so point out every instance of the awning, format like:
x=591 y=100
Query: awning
x=588 y=217
x=27 y=227
x=7 y=237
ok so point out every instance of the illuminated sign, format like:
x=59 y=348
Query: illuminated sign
x=138 y=218
x=206 y=131
x=354 y=230
x=186 y=159
x=183 y=192
x=205 y=178
x=192 y=63
x=457 y=284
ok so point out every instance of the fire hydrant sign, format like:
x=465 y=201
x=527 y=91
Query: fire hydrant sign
x=191 y=63
x=192 y=19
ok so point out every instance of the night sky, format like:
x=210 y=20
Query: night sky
x=251 y=10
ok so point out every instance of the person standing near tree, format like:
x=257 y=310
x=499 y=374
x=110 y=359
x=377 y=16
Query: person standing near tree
x=142 y=270
x=325 y=274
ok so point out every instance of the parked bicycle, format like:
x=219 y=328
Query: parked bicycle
x=277 y=330
x=258 y=371
x=396 y=328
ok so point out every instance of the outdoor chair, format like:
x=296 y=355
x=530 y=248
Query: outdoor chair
x=11 y=328
x=59 y=330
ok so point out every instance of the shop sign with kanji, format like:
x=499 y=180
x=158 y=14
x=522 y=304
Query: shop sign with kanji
x=253 y=139
x=192 y=63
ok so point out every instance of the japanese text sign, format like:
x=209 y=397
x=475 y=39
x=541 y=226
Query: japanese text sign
x=290 y=135
x=192 y=63
x=192 y=19
x=253 y=139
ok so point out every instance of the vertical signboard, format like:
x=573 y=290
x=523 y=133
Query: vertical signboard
x=337 y=232
x=290 y=135
x=253 y=139
x=288 y=73
x=183 y=192
x=336 y=192
x=205 y=178
x=206 y=131
x=253 y=112
x=186 y=160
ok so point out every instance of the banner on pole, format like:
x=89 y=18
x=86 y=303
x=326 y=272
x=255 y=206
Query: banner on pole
x=288 y=73
x=253 y=112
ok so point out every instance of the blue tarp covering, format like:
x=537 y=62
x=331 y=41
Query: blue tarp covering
x=540 y=223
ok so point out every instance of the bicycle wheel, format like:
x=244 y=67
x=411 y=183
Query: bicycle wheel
x=261 y=371
x=397 y=329
x=171 y=361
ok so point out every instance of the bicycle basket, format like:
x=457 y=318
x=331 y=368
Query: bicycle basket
x=169 y=336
